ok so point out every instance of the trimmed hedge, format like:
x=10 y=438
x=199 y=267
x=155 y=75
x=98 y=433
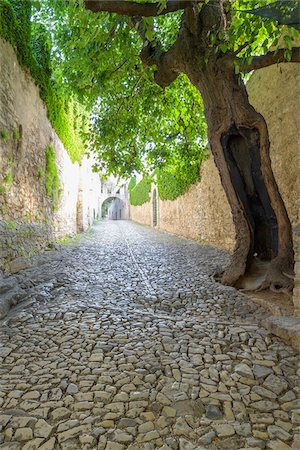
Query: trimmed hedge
x=173 y=181
x=132 y=183
x=140 y=193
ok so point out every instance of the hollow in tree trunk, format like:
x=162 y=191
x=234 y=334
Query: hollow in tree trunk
x=239 y=141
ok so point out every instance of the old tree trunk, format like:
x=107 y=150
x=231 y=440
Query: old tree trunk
x=239 y=141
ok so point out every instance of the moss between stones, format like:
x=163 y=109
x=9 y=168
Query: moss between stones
x=4 y=135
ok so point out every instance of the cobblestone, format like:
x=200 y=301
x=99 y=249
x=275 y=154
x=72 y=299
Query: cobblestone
x=123 y=340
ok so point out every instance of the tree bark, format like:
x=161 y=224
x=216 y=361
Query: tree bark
x=239 y=141
x=134 y=9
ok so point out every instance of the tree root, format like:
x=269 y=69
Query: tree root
x=276 y=283
x=260 y=275
x=234 y=270
x=278 y=277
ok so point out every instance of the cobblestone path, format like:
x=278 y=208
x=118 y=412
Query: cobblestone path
x=124 y=341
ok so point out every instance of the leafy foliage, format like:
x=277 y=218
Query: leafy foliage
x=254 y=34
x=284 y=12
x=52 y=183
x=132 y=183
x=33 y=45
x=8 y=22
x=140 y=193
x=135 y=125
x=173 y=181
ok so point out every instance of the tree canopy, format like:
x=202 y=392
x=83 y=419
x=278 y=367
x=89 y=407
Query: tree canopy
x=136 y=125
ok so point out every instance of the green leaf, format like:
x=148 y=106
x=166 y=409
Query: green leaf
x=288 y=54
x=223 y=47
x=149 y=34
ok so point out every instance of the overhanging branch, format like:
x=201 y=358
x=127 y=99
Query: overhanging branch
x=270 y=58
x=166 y=71
x=134 y=9
x=152 y=54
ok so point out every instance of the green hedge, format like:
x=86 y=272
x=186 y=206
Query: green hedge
x=173 y=181
x=132 y=183
x=32 y=44
x=140 y=193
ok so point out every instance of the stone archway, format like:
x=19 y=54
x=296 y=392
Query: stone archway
x=113 y=208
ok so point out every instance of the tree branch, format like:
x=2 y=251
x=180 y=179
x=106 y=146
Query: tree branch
x=133 y=9
x=152 y=54
x=166 y=63
x=242 y=47
x=270 y=58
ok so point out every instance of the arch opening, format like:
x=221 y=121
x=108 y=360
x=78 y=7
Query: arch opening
x=113 y=208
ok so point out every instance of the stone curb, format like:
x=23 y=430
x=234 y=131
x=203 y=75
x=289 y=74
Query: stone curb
x=287 y=328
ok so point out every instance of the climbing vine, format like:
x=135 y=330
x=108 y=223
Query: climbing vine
x=140 y=193
x=174 y=180
x=132 y=183
x=51 y=176
x=32 y=44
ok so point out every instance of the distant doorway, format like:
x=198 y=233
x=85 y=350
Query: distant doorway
x=113 y=208
x=154 y=207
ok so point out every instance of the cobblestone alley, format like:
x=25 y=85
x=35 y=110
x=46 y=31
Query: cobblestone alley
x=124 y=341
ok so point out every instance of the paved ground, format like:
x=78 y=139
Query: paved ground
x=124 y=341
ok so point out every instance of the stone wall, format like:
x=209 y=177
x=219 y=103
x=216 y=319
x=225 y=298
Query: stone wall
x=275 y=93
x=18 y=240
x=25 y=132
x=203 y=212
x=212 y=220
x=296 y=293
x=196 y=214
x=142 y=214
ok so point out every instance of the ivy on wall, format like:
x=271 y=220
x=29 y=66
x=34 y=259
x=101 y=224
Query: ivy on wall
x=32 y=45
x=173 y=181
x=51 y=175
x=140 y=193
x=132 y=183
